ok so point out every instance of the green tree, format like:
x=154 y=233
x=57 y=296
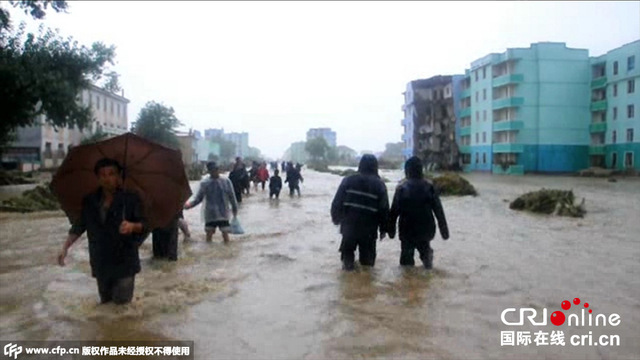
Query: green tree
x=99 y=135
x=157 y=123
x=34 y=7
x=317 y=148
x=333 y=156
x=43 y=74
x=227 y=148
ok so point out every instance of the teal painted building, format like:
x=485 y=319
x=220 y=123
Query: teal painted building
x=615 y=103
x=526 y=110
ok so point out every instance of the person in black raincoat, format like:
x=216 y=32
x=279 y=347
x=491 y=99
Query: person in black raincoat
x=114 y=222
x=275 y=184
x=361 y=207
x=294 y=178
x=239 y=178
x=415 y=202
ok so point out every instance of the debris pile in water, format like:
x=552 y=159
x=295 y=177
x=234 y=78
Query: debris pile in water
x=452 y=184
x=38 y=199
x=15 y=178
x=550 y=201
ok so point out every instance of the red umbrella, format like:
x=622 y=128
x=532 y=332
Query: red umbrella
x=156 y=173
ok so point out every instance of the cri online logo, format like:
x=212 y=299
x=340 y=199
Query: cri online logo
x=12 y=350
x=558 y=317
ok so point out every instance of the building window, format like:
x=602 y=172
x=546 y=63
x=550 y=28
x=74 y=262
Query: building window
x=629 y=135
x=97 y=102
x=614 y=137
x=631 y=86
x=105 y=104
x=477 y=136
x=484 y=115
x=477 y=116
x=628 y=160
x=484 y=158
x=630 y=111
x=118 y=107
x=476 y=72
x=484 y=94
x=477 y=99
x=614 y=160
x=631 y=63
x=111 y=107
x=615 y=68
x=484 y=137
x=484 y=72
x=477 y=158
x=615 y=90
x=615 y=113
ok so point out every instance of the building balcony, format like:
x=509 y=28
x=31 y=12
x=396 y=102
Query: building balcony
x=465 y=131
x=464 y=149
x=465 y=112
x=507 y=102
x=465 y=93
x=506 y=148
x=598 y=149
x=599 y=82
x=598 y=127
x=508 y=125
x=600 y=105
x=507 y=79
x=509 y=170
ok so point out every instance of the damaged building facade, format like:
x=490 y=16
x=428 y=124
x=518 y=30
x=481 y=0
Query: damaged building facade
x=430 y=121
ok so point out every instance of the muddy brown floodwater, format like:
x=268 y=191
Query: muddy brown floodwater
x=278 y=291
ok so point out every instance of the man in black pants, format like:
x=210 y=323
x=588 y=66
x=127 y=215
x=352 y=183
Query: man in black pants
x=360 y=207
x=165 y=240
x=113 y=220
x=415 y=202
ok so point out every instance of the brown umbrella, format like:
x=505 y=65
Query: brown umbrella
x=156 y=173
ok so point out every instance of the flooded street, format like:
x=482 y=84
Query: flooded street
x=278 y=291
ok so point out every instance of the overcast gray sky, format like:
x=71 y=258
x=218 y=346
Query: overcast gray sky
x=276 y=69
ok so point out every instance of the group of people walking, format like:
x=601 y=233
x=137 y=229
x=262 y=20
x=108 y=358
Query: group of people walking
x=116 y=226
x=241 y=178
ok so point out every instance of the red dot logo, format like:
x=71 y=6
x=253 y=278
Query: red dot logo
x=557 y=318
x=566 y=305
x=576 y=301
x=586 y=305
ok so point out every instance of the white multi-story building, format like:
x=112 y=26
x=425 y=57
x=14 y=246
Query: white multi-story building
x=326 y=133
x=242 y=142
x=42 y=145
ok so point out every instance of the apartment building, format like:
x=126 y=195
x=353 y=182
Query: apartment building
x=615 y=101
x=526 y=110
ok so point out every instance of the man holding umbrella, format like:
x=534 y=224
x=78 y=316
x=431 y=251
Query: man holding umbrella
x=114 y=222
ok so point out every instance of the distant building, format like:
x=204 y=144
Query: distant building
x=242 y=142
x=188 y=145
x=209 y=133
x=46 y=147
x=430 y=119
x=326 y=133
x=297 y=153
x=615 y=102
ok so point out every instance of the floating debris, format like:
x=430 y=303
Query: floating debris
x=38 y=199
x=452 y=184
x=550 y=201
x=15 y=178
